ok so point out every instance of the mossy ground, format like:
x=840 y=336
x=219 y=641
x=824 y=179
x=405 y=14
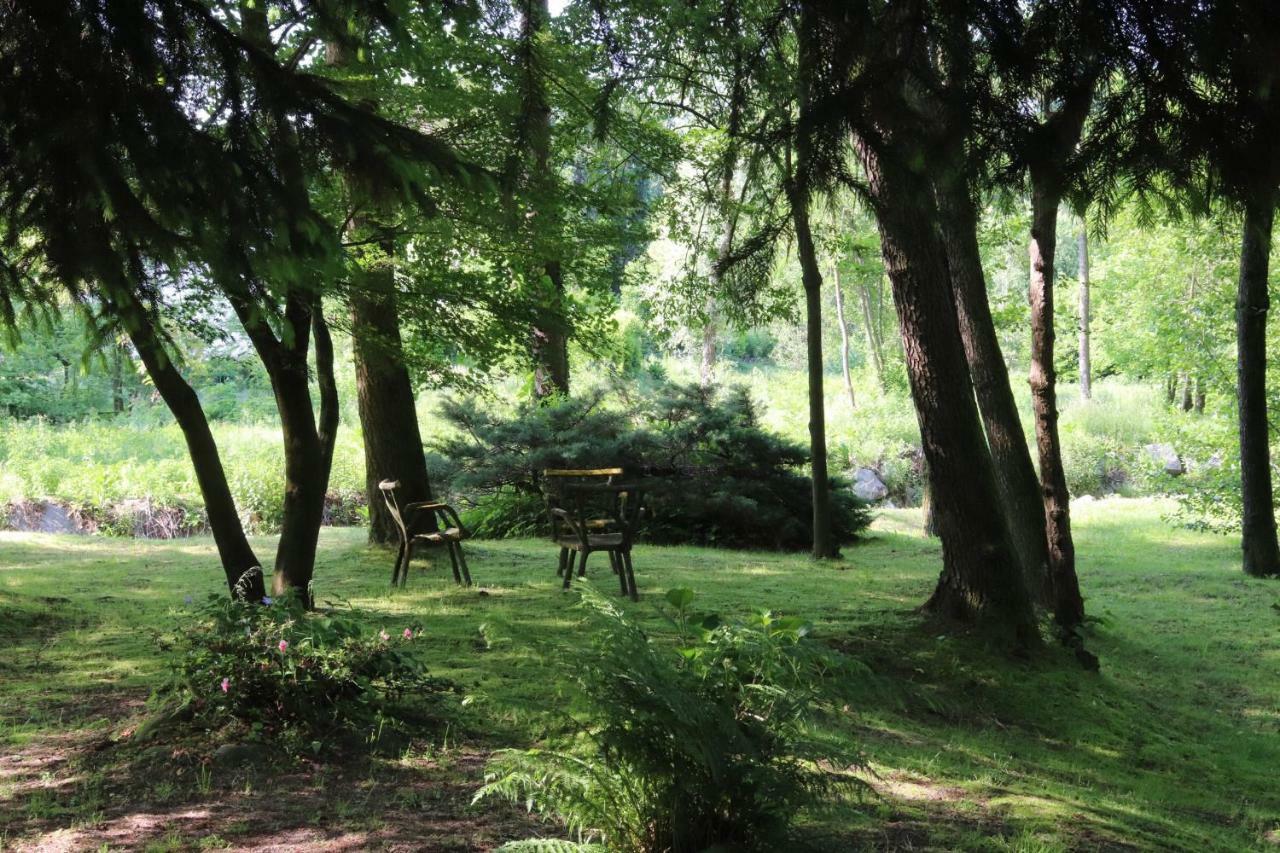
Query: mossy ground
x=1174 y=745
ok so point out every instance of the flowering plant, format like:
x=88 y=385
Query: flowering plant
x=278 y=667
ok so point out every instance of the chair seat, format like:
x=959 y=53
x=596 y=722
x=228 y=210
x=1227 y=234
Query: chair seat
x=601 y=541
x=449 y=534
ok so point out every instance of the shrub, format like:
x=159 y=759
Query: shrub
x=714 y=475
x=286 y=672
x=704 y=746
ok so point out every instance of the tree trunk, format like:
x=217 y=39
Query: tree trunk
x=241 y=565
x=1258 y=540
x=550 y=338
x=844 y=336
x=1170 y=389
x=981 y=578
x=1086 y=365
x=798 y=189
x=1198 y=405
x=384 y=394
x=1068 y=606
x=1011 y=458
x=384 y=390
x=874 y=341
x=1185 y=383
x=707 y=367
x=117 y=377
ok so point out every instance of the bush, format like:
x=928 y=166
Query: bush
x=288 y=673
x=714 y=475
x=704 y=746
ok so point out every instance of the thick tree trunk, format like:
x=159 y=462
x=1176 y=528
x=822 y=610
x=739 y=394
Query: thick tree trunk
x=1015 y=474
x=384 y=393
x=241 y=565
x=1086 y=364
x=844 y=336
x=1068 y=606
x=384 y=390
x=981 y=577
x=1258 y=540
x=710 y=332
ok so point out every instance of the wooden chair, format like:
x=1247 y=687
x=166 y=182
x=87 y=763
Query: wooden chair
x=411 y=521
x=591 y=512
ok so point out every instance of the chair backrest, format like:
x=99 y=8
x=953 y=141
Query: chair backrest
x=388 y=488
x=555 y=481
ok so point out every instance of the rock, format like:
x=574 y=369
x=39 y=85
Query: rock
x=1165 y=455
x=867 y=485
x=231 y=755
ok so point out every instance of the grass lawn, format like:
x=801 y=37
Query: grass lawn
x=1175 y=745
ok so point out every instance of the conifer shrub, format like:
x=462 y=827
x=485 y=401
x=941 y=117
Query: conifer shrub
x=713 y=475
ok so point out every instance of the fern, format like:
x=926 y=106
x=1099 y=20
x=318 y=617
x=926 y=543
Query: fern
x=688 y=748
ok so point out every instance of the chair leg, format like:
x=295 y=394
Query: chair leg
x=573 y=560
x=462 y=561
x=395 y=573
x=453 y=561
x=564 y=563
x=404 y=569
x=616 y=559
x=631 y=575
x=582 y=566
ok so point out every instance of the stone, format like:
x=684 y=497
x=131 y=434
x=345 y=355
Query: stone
x=231 y=755
x=867 y=485
x=1165 y=455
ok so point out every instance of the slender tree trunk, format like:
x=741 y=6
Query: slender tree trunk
x=1011 y=458
x=874 y=340
x=550 y=337
x=1170 y=389
x=1185 y=383
x=241 y=565
x=1086 y=365
x=117 y=378
x=1258 y=541
x=981 y=577
x=1068 y=606
x=844 y=336
x=798 y=189
x=1199 y=397
x=710 y=332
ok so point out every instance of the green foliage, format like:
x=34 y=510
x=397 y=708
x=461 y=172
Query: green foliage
x=704 y=746
x=288 y=673
x=713 y=475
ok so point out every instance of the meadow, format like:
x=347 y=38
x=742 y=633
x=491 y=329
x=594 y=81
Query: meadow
x=1172 y=746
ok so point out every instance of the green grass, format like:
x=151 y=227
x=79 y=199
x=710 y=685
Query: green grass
x=1173 y=746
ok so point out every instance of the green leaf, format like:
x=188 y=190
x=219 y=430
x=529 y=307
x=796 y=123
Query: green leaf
x=680 y=597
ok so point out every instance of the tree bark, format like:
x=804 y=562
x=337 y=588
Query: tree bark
x=1010 y=456
x=1086 y=365
x=981 y=578
x=241 y=565
x=844 y=336
x=1198 y=403
x=1185 y=384
x=1261 y=553
x=1068 y=606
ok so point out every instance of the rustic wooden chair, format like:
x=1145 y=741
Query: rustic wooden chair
x=411 y=522
x=591 y=512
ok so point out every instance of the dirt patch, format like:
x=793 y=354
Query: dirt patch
x=85 y=788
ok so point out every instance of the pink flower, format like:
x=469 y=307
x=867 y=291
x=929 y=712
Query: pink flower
x=385 y=636
x=284 y=644
x=408 y=633
x=226 y=685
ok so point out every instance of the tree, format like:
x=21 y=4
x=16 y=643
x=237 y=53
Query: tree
x=190 y=169
x=877 y=80
x=1086 y=366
